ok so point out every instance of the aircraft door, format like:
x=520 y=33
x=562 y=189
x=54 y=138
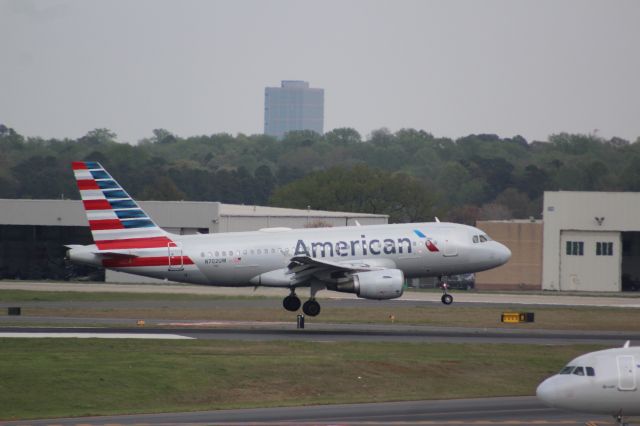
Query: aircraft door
x=450 y=249
x=626 y=373
x=175 y=257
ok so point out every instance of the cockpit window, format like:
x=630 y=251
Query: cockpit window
x=567 y=370
x=484 y=238
x=475 y=239
x=590 y=371
x=579 y=371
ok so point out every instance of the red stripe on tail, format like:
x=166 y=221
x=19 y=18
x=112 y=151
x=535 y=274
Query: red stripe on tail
x=99 y=225
x=87 y=184
x=96 y=205
x=78 y=165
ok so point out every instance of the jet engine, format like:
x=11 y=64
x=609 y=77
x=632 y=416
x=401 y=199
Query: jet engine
x=379 y=285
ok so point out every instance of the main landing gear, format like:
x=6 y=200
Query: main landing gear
x=292 y=303
x=311 y=307
x=446 y=298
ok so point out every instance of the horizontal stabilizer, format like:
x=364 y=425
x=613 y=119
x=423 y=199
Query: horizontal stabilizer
x=118 y=254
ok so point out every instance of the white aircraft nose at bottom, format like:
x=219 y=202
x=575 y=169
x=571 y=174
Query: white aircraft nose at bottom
x=546 y=392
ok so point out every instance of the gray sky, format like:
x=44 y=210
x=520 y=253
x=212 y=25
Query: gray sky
x=199 y=67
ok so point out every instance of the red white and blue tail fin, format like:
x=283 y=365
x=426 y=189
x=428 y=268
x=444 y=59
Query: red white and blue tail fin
x=116 y=221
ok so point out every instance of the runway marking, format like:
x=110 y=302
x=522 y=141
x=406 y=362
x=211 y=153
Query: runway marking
x=399 y=423
x=97 y=335
x=365 y=423
x=223 y=323
x=407 y=423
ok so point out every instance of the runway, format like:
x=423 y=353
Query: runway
x=348 y=332
x=626 y=300
x=520 y=411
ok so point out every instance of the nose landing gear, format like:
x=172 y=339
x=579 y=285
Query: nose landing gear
x=446 y=298
x=619 y=419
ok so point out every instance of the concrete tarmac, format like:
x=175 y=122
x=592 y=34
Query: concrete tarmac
x=520 y=411
x=348 y=333
x=628 y=300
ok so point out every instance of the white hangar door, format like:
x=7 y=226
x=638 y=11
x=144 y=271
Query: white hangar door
x=590 y=261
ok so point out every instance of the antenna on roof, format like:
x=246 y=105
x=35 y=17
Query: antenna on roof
x=437 y=220
x=357 y=223
x=626 y=344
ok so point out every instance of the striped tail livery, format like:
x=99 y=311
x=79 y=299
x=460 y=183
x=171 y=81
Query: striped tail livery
x=125 y=236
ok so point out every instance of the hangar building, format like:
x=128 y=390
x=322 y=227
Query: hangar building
x=588 y=241
x=33 y=233
x=591 y=241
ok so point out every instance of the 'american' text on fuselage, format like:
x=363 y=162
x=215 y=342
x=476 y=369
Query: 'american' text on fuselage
x=353 y=247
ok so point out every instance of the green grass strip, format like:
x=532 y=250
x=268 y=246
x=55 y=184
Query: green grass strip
x=41 y=378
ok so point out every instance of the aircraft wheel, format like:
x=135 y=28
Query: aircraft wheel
x=447 y=299
x=291 y=303
x=311 y=308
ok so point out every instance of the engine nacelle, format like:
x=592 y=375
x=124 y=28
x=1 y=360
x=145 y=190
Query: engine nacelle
x=379 y=285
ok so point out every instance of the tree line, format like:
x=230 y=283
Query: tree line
x=410 y=175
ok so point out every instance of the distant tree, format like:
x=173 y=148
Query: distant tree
x=381 y=136
x=44 y=177
x=467 y=214
x=618 y=142
x=343 y=136
x=98 y=136
x=163 y=136
x=162 y=188
x=494 y=211
x=264 y=184
x=515 y=202
x=300 y=138
x=10 y=139
x=360 y=189
x=534 y=181
x=497 y=173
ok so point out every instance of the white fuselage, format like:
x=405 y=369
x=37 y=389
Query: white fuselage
x=607 y=383
x=236 y=259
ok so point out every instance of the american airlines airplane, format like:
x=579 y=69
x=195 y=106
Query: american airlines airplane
x=370 y=261
x=602 y=382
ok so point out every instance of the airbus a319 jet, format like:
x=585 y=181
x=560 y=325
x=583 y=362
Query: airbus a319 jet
x=369 y=261
x=601 y=382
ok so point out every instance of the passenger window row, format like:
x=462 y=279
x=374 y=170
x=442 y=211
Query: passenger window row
x=225 y=253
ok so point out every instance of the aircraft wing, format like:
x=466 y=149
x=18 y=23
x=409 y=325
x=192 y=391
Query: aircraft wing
x=305 y=267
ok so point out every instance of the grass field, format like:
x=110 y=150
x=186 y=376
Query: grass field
x=485 y=316
x=77 y=377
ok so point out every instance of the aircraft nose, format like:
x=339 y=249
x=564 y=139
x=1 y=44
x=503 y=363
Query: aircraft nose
x=503 y=254
x=546 y=392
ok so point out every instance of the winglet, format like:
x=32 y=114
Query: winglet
x=627 y=343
